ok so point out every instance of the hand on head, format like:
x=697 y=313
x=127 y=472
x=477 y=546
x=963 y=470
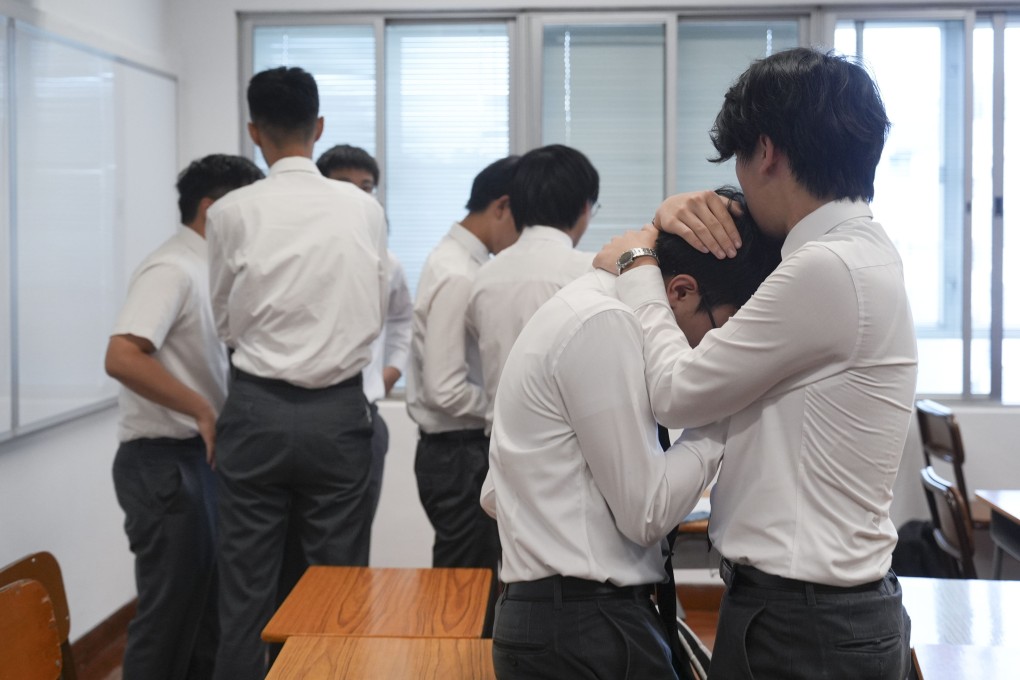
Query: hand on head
x=702 y=218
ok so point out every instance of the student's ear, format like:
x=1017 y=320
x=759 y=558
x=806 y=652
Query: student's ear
x=502 y=207
x=682 y=289
x=769 y=153
x=253 y=132
x=319 y=125
x=203 y=206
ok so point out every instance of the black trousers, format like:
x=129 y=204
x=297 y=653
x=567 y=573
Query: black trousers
x=167 y=492
x=450 y=468
x=778 y=629
x=285 y=455
x=597 y=632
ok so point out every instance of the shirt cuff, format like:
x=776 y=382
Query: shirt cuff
x=641 y=286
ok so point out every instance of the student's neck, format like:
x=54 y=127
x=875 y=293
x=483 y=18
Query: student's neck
x=273 y=153
x=478 y=225
x=799 y=204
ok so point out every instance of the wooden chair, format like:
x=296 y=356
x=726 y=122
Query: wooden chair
x=941 y=440
x=29 y=642
x=953 y=532
x=43 y=567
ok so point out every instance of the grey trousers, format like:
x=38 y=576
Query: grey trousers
x=285 y=455
x=167 y=492
x=770 y=633
x=579 y=639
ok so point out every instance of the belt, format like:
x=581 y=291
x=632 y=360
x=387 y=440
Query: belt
x=452 y=436
x=744 y=574
x=238 y=374
x=566 y=588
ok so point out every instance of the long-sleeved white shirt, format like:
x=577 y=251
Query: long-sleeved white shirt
x=444 y=380
x=817 y=373
x=393 y=345
x=510 y=287
x=577 y=481
x=297 y=269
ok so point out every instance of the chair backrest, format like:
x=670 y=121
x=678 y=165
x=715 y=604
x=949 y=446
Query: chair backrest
x=43 y=567
x=953 y=532
x=941 y=440
x=29 y=641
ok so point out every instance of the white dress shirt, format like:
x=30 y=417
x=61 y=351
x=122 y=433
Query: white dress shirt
x=818 y=372
x=510 y=287
x=297 y=266
x=393 y=345
x=168 y=305
x=577 y=481
x=444 y=380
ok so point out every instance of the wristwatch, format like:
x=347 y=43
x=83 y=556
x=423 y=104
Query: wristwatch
x=627 y=259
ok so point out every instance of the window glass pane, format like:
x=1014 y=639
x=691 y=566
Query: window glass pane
x=1011 y=221
x=447 y=117
x=918 y=184
x=981 y=211
x=603 y=94
x=342 y=59
x=5 y=255
x=68 y=273
x=710 y=56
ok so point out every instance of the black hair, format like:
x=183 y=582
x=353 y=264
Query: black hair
x=343 y=156
x=212 y=177
x=552 y=186
x=491 y=183
x=730 y=280
x=820 y=109
x=284 y=103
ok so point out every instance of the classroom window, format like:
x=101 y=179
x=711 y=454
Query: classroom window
x=638 y=92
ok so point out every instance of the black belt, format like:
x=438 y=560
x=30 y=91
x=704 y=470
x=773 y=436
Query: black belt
x=743 y=574
x=452 y=436
x=566 y=588
x=238 y=374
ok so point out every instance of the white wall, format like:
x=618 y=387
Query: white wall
x=56 y=490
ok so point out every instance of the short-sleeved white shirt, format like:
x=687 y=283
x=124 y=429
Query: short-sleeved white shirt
x=168 y=305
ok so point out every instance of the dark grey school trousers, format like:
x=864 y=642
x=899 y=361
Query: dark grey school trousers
x=167 y=491
x=792 y=630
x=284 y=452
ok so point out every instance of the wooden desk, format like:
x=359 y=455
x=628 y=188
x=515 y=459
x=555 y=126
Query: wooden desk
x=1004 y=527
x=962 y=612
x=365 y=601
x=956 y=662
x=360 y=658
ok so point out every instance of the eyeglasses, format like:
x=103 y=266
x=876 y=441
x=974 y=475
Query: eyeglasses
x=707 y=307
x=595 y=208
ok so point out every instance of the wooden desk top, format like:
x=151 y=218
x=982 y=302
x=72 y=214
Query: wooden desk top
x=1005 y=501
x=954 y=662
x=961 y=612
x=365 y=601
x=360 y=658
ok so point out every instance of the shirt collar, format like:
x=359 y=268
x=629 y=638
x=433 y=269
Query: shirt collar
x=539 y=233
x=823 y=220
x=192 y=240
x=294 y=164
x=478 y=250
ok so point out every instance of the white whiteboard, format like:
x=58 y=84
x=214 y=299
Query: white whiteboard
x=93 y=171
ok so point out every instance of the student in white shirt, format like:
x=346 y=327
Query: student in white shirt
x=173 y=369
x=390 y=350
x=444 y=381
x=553 y=197
x=298 y=275
x=581 y=490
x=816 y=374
